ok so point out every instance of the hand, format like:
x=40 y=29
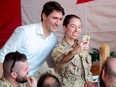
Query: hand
x=85 y=45
x=32 y=82
x=80 y=48
x=90 y=84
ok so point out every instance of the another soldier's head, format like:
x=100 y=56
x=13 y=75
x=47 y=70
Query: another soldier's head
x=108 y=73
x=48 y=80
x=15 y=67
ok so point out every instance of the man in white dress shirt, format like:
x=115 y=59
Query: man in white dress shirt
x=36 y=40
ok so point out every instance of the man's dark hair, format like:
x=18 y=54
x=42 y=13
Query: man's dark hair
x=50 y=6
x=10 y=60
x=41 y=81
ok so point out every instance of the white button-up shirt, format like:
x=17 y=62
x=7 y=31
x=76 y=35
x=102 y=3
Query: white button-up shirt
x=29 y=39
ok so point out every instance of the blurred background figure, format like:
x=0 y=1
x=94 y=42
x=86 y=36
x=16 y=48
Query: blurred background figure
x=48 y=80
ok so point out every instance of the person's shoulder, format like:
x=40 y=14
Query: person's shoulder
x=4 y=83
x=27 y=28
x=30 y=25
x=59 y=45
x=113 y=85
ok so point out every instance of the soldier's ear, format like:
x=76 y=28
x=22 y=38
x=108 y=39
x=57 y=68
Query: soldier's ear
x=103 y=75
x=65 y=28
x=14 y=74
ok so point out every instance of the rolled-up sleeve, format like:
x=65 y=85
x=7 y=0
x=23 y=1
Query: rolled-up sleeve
x=58 y=54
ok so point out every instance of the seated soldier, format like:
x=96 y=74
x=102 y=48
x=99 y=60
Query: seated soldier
x=15 y=67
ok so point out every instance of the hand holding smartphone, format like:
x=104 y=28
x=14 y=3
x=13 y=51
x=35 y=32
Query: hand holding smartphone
x=86 y=39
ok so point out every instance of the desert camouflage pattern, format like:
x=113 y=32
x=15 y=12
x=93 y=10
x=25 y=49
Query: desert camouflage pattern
x=113 y=85
x=75 y=72
x=5 y=83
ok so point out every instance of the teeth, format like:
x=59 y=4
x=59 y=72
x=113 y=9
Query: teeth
x=74 y=34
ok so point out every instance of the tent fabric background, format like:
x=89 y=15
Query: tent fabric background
x=10 y=18
x=98 y=17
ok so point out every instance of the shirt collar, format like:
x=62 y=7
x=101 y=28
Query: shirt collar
x=76 y=42
x=40 y=29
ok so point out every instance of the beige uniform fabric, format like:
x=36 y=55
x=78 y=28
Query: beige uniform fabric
x=5 y=83
x=75 y=72
x=113 y=85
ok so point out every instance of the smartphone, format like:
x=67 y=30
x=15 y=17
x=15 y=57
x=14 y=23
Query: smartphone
x=86 y=39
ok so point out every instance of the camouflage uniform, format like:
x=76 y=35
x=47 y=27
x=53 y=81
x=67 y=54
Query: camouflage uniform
x=5 y=83
x=113 y=85
x=75 y=72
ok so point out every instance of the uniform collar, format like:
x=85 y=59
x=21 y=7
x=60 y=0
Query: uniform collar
x=3 y=79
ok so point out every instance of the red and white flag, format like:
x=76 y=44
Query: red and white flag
x=83 y=1
x=10 y=18
x=98 y=17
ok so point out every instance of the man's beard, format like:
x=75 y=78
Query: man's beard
x=21 y=80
